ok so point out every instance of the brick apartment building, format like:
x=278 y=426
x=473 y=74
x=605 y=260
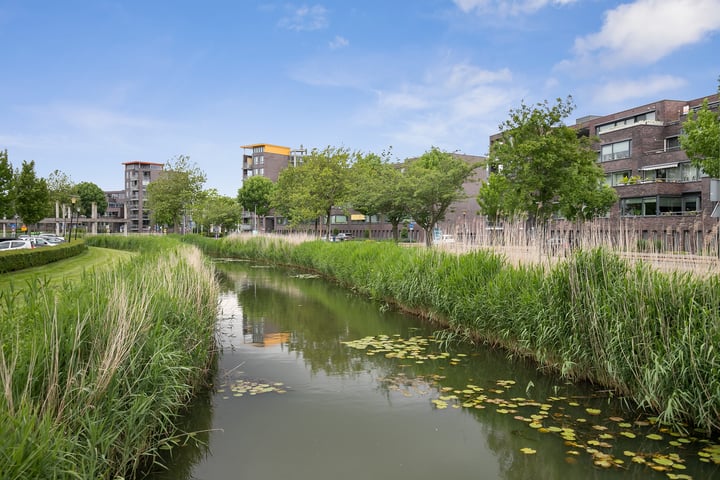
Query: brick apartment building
x=663 y=198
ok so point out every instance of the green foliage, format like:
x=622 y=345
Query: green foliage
x=433 y=182
x=701 y=139
x=12 y=260
x=545 y=167
x=648 y=335
x=31 y=195
x=310 y=190
x=215 y=209
x=256 y=194
x=60 y=188
x=175 y=191
x=6 y=186
x=93 y=376
x=90 y=193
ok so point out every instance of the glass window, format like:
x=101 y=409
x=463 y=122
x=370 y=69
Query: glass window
x=670 y=205
x=615 y=151
x=672 y=143
x=691 y=203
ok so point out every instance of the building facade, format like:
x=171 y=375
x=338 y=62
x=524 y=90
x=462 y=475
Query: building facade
x=138 y=176
x=662 y=197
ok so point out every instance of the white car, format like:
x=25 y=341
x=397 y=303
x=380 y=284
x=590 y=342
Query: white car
x=17 y=244
x=41 y=242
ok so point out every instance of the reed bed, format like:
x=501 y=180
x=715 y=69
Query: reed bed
x=593 y=314
x=93 y=374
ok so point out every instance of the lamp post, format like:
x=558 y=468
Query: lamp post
x=73 y=201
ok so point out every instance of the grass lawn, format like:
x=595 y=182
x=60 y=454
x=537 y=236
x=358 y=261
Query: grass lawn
x=69 y=269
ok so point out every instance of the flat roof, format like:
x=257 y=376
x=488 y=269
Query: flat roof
x=143 y=163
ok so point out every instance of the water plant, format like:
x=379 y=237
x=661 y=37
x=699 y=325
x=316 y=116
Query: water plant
x=650 y=336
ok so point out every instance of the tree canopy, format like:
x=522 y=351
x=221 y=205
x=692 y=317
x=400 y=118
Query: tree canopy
x=90 y=193
x=213 y=209
x=31 y=194
x=7 y=176
x=310 y=190
x=60 y=187
x=433 y=183
x=541 y=168
x=701 y=138
x=256 y=195
x=175 y=191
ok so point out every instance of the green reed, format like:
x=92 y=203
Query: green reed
x=93 y=374
x=649 y=335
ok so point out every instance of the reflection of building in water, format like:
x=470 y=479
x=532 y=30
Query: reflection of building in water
x=254 y=332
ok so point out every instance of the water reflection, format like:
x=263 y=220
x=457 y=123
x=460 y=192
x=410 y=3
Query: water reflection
x=294 y=398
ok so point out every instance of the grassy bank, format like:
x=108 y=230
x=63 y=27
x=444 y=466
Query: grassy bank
x=650 y=336
x=94 y=371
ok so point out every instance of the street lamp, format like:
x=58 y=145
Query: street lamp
x=73 y=201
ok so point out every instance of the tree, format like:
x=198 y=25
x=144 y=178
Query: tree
x=255 y=195
x=60 y=188
x=6 y=186
x=434 y=182
x=214 y=209
x=31 y=194
x=543 y=168
x=90 y=193
x=312 y=189
x=701 y=138
x=175 y=191
x=375 y=188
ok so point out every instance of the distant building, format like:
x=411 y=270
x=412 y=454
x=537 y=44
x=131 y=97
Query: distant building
x=138 y=176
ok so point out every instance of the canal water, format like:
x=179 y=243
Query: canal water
x=315 y=382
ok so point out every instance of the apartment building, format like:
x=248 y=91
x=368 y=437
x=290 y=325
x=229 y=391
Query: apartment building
x=663 y=198
x=138 y=176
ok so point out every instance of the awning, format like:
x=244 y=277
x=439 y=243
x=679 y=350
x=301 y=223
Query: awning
x=357 y=216
x=658 y=167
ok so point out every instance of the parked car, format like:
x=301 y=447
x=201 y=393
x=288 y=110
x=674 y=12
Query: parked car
x=341 y=237
x=54 y=239
x=16 y=244
x=41 y=242
x=446 y=239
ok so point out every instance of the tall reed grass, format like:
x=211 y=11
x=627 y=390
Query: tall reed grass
x=594 y=315
x=92 y=376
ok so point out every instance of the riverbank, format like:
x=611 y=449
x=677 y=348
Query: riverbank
x=648 y=335
x=95 y=370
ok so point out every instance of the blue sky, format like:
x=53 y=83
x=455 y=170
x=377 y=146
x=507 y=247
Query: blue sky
x=86 y=85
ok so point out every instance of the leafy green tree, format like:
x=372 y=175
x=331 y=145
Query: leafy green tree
x=375 y=188
x=7 y=177
x=256 y=195
x=175 y=191
x=31 y=194
x=90 y=193
x=701 y=139
x=60 y=188
x=543 y=168
x=216 y=210
x=433 y=183
x=312 y=189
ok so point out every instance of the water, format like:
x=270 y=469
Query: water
x=292 y=400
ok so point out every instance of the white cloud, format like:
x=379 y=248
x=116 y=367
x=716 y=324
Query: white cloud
x=621 y=91
x=339 y=42
x=507 y=7
x=644 y=31
x=305 y=18
x=450 y=108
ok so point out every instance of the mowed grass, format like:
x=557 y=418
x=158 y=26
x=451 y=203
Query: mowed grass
x=70 y=269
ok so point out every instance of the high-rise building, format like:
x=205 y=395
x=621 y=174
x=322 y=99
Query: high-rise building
x=138 y=176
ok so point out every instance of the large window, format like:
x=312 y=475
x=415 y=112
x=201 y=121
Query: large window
x=672 y=143
x=615 y=151
x=660 y=205
x=625 y=122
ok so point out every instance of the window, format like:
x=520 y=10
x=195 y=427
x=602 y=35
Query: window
x=625 y=122
x=636 y=207
x=615 y=151
x=672 y=143
x=691 y=202
x=258 y=149
x=618 y=178
x=259 y=160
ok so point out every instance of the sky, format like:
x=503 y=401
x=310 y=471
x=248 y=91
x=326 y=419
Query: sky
x=86 y=85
